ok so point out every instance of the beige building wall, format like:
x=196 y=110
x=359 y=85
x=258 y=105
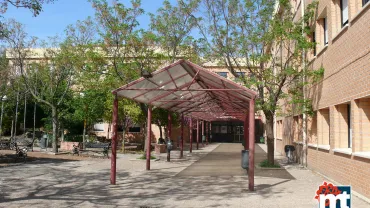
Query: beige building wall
x=338 y=133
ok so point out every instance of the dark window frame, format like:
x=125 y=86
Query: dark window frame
x=364 y=2
x=326 y=39
x=341 y=14
x=222 y=74
x=137 y=129
x=314 y=41
x=349 y=121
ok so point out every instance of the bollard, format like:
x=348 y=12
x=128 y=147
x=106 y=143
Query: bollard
x=169 y=148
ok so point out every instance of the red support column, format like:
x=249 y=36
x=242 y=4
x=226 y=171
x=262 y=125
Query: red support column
x=114 y=142
x=191 y=134
x=246 y=132
x=202 y=133
x=210 y=132
x=197 y=134
x=169 y=125
x=251 y=146
x=207 y=133
x=149 y=134
x=182 y=136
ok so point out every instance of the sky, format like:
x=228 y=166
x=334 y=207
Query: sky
x=58 y=15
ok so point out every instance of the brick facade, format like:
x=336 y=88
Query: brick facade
x=338 y=134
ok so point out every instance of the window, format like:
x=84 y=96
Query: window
x=99 y=127
x=134 y=130
x=323 y=127
x=361 y=125
x=341 y=126
x=349 y=126
x=325 y=21
x=364 y=2
x=314 y=41
x=223 y=74
x=344 y=12
x=240 y=74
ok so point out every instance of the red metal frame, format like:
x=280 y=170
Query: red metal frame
x=197 y=134
x=191 y=135
x=182 y=137
x=246 y=131
x=225 y=100
x=113 y=169
x=149 y=135
x=203 y=132
x=220 y=91
x=251 y=146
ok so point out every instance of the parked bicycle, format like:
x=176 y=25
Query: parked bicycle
x=21 y=152
x=76 y=150
x=289 y=149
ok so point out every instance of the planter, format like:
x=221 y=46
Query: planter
x=160 y=148
x=68 y=145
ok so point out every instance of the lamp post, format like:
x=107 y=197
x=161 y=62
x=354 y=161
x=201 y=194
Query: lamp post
x=84 y=131
x=2 y=113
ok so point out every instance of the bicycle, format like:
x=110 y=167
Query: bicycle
x=21 y=152
x=76 y=150
x=289 y=149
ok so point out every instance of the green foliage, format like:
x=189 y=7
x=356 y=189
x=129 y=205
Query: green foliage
x=173 y=25
x=35 y=6
x=266 y=164
x=143 y=157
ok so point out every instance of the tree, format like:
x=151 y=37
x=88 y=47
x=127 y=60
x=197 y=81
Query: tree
x=173 y=25
x=48 y=80
x=249 y=35
x=130 y=50
x=35 y=6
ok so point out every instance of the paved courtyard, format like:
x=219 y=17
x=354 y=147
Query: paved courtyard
x=210 y=177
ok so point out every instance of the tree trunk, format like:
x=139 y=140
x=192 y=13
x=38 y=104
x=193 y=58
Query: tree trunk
x=1 y=118
x=160 y=131
x=62 y=132
x=16 y=116
x=54 y=115
x=270 y=139
x=34 y=124
x=145 y=138
x=109 y=126
x=24 y=116
x=12 y=129
x=84 y=135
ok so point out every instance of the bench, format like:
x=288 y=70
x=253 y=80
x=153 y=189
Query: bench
x=21 y=142
x=100 y=148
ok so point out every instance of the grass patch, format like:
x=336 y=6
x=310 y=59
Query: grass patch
x=266 y=164
x=143 y=157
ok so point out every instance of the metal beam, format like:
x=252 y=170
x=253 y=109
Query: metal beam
x=149 y=135
x=182 y=137
x=191 y=134
x=113 y=169
x=181 y=90
x=197 y=134
x=251 y=146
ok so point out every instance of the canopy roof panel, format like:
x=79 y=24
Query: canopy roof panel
x=185 y=87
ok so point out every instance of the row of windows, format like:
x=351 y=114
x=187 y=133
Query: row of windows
x=340 y=19
x=224 y=74
x=344 y=126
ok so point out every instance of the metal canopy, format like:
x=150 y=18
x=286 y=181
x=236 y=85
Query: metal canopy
x=187 y=88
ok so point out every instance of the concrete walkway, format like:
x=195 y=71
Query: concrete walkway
x=211 y=177
x=223 y=161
